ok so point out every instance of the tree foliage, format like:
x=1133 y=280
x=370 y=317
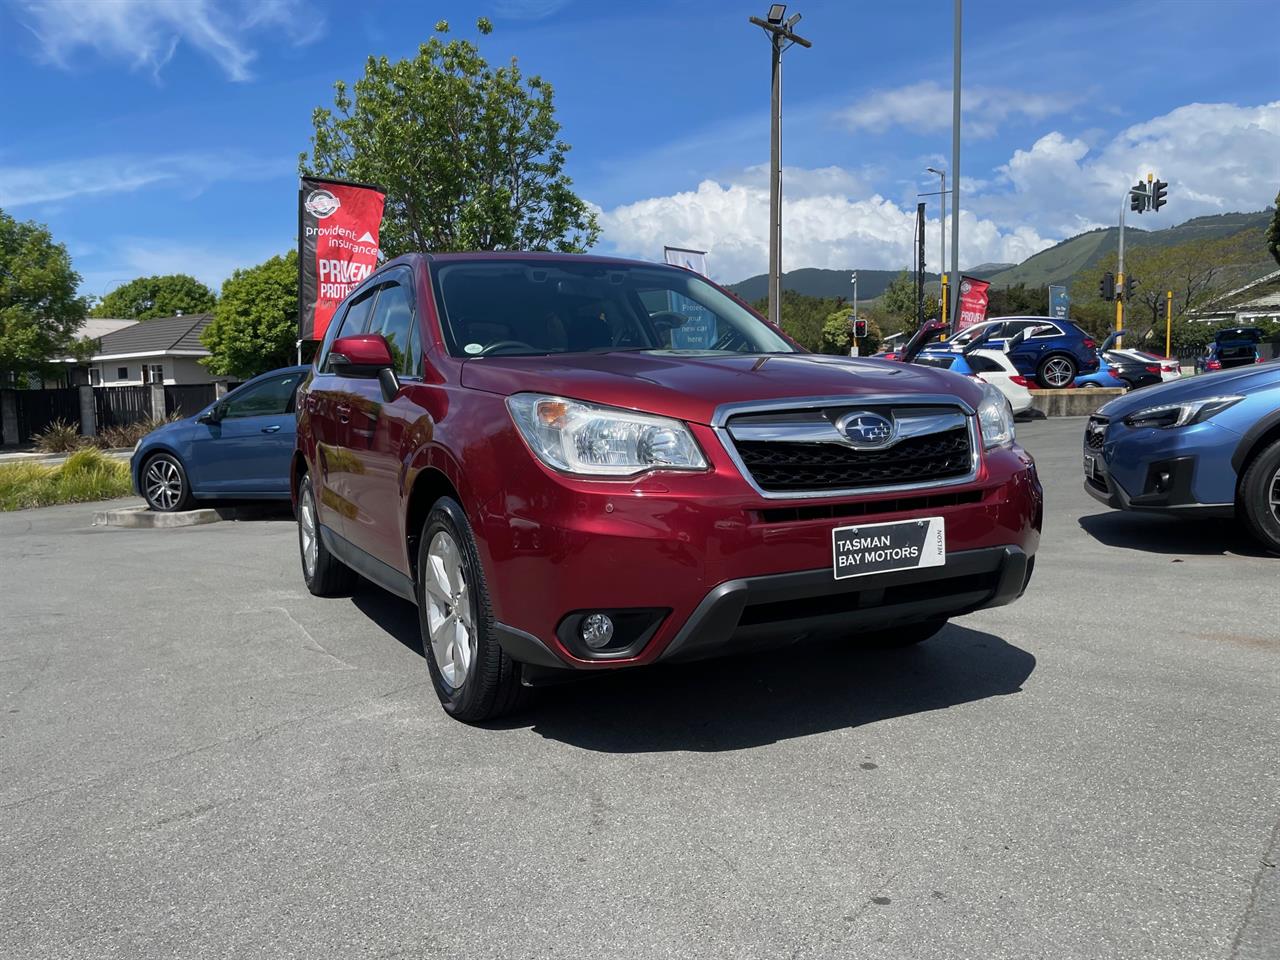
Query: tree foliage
x=837 y=333
x=803 y=317
x=39 y=308
x=1273 y=232
x=470 y=155
x=255 y=324
x=147 y=298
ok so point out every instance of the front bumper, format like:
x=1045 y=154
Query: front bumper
x=726 y=568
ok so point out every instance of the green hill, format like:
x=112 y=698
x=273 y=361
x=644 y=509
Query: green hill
x=814 y=282
x=1061 y=262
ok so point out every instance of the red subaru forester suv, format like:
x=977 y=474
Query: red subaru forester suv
x=583 y=463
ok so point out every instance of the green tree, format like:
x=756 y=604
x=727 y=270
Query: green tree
x=147 y=298
x=1273 y=232
x=470 y=155
x=803 y=317
x=255 y=324
x=898 y=302
x=39 y=308
x=837 y=333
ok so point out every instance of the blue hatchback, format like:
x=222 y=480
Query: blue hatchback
x=238 y=447
x=1203 y=446
x=1054 y=351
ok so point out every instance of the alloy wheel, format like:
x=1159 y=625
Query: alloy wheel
x=1057 y=372
x=1273 y=496
x=307 y=531
x=450 y=622
x=162 y=484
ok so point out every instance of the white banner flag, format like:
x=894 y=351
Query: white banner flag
x=695 y=260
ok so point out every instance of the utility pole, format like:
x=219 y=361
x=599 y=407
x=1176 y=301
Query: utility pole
x=1138 y=198
x=942 y=244
x=781 y=38
x=1168 y=323
x=853 y=343
x=920 y=264
x=955 y=162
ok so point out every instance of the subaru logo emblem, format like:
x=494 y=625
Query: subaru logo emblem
x=866 y=430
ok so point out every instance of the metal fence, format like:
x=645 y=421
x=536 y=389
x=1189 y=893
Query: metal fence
x=121 y=406
x=188 y=398
x=37 y=409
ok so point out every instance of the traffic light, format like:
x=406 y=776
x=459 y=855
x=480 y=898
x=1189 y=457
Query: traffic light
x=1129 y=284
x=1138 y=197
x=1158 y=191
x=1107 y=286
x=859 y=328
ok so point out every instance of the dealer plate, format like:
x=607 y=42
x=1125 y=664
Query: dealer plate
x=879 y=547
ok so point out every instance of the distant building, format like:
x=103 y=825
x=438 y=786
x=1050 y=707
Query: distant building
x=166 y=350
x=1244 y=306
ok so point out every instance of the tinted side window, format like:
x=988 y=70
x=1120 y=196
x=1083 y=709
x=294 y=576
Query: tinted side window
x=982 y=364
x=354 y=320
x=393 y=318
x=269 y=398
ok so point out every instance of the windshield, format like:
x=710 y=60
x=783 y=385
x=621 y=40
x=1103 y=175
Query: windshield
x=535 y=307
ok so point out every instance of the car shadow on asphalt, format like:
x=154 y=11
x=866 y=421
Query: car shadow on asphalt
x=744 y=701
x=1153 y=533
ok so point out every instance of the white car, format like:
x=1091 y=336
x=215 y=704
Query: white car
x=989 y=366
x=1170 y=368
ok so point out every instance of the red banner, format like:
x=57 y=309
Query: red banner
x=973 y=303
x=338 y=225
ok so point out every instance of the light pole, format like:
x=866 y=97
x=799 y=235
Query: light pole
x=942 y=241
x=781 y=38
x=853 y=324
x=955 y=163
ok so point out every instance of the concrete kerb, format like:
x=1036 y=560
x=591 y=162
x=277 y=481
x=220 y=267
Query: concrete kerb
x=147 y=519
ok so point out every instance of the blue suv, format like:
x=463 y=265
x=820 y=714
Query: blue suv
x=1203 y=446
x=1054 y=351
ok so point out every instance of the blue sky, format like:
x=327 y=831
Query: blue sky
x=162 y=135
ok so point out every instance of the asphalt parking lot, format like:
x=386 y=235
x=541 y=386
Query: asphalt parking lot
x=199 y=759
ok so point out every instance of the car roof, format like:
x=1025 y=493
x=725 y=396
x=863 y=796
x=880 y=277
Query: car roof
x=541 y=255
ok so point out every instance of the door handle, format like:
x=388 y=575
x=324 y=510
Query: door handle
x=271 y=429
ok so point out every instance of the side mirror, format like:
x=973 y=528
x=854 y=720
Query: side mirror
x=213 y=415
x=366 y=355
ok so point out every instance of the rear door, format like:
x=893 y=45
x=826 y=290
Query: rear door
x=246 y=453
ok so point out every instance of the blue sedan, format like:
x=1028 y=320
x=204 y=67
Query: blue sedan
x=1204 y=446
x=1053 y=351
x=238 y=447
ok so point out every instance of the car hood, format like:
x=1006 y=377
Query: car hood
x=691 y=387
x=1239 y=380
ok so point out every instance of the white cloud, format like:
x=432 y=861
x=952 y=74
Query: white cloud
x=146 y=33
x=117 y=173
x=1217 y=157
x=151 y=256
x=822 y=227
x=528 y=9
x=926 y=108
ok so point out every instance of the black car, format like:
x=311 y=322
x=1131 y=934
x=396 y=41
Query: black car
x=1231 y=347
x=1133 y=372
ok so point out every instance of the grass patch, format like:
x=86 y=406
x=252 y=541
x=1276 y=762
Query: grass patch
x=86 y=475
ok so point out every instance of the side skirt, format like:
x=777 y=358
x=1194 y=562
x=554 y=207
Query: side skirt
x=369 y=567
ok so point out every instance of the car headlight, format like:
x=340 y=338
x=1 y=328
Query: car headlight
x=592 y=440
x=995 y=418
x=1180 y=414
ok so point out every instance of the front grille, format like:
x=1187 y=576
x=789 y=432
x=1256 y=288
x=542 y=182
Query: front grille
x=863 y=508
x=787 y=467
x=1096 y=432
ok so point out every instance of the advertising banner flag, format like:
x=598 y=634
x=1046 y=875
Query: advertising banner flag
x=698 y=331
x=1059 y=302
x=338 y=225
x=695 y=260
x=973 y=303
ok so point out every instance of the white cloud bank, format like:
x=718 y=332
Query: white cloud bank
x=146 y=33
x=926 y=108
x=1216 y=157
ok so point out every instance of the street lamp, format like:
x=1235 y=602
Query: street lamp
x=942 y=238
x=781 y=38
x=853 y=343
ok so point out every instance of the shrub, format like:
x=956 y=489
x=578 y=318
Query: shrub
x=87 y=474
x=59 y=437
x=110 y=438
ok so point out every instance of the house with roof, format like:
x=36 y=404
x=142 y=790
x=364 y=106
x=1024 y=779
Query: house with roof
x=1246 y=305
x=165 y=350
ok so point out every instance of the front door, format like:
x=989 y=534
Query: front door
x=247 y=451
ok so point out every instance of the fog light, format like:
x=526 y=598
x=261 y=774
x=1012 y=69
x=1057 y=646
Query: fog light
x=597 y=631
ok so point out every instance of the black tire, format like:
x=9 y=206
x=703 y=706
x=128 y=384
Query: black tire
x=1259 y=497
x=907 y=635
x=324 y=574
x=163 y=480
x=1057 y=371
x=490 y=685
